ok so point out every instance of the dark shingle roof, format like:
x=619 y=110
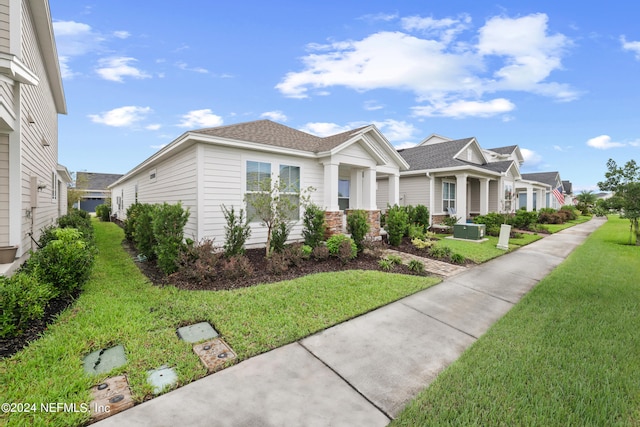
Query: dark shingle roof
x=548 y=178
x=503 y=150
x=435 y=156
x=568 y=187
x=276 y=134
x=95 y=181
x=501 y=166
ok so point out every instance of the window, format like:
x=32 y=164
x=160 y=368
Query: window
x=258 y=180
x=152 y=175
x=135 y=193
x=508 y=196
x=54 y=186
x=343 y=194
x=448 y=195
x=290 y=187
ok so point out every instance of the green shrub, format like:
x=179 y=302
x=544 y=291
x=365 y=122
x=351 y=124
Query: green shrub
x=358 y=227
x=306 y=251
x=422 y=244
x=386 y=264
x=457 y=258
x=420 y=216
x=523 y=219
x=22 y=299
x=313 y=225
x=440 y=252
x=395 y=259
x=279 y=236
x=133 y=212
x=342 y=247
x=78 y=219
x=294 y=254
x=168 y=223
x=415 y=231
x=571 y=211
x=236 y=232
x=143 y=233
x=65 y=262
x=198 y=262
x=396 y=224
x=492 y=220
x=416 y=266
x=103 y=212
x=450 y=221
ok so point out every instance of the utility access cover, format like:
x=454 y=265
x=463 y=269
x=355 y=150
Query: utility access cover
x=162 y=377
x=110 y=397
x=104 y=360
x=197 y=332
x=214 y=354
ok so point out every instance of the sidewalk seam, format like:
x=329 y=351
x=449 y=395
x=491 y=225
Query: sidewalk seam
x=389 y=417
x=439 y=321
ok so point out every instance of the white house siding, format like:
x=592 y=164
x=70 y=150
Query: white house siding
x=4 y=190
x=175 y=181
x=382 y=193
x=471 y=154
x=224 y=182
x=414 y=190
x=37 y=160
x=4 y=26
x=494 y=196
x=354 y=154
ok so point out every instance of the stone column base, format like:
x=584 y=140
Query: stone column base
x=373 y=219
x=333 y=223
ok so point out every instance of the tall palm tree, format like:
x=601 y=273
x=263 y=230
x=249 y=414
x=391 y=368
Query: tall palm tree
x=587 y=197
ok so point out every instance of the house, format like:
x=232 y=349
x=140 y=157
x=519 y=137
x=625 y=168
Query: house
x=32 y=184
x=554 y=190
x=205 y=169
x=94 y=191
x=569 y=199
x=457 y=178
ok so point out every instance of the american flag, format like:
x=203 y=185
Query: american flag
x=558 y=193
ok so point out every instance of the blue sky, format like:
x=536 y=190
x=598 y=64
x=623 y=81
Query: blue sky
x=557 y=79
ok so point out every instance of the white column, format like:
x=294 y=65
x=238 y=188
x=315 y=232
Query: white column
x=529 y=199
x=542 y=200
x=369 y=189
x=394 y=189
x=461 y=197
x=355 y=189
x=331 y=187
x=484 y=196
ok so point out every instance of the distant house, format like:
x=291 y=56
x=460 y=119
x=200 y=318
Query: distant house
x=205 y=169
x=94 y=189
x=555 y=195
x=33 y=186
x=457 y=178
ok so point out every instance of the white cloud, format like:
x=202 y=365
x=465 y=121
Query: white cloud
x=531 y=158
x=153 y=126
x=448 y=73
x=277 y=115
x=395 y=130
x=324 y=129
x=122 y=34
x=200 y=119
x=460 y=109
x=122 y=116
x=632 y=46
x=603 y=142
x=372 y=105
x=74 y=39
x=184 y=66
x=403 y=145
x=115 y=68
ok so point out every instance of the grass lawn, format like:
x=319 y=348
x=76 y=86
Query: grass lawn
x=567 y=354
x=484 y=251
x=554 y=228
x=120 y=306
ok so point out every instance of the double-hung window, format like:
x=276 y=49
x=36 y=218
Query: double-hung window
x=290 y=188
x=448 y=195
x=258 y=180
x=508 y=196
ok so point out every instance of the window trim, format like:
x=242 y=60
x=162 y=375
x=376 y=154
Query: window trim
x=449 y=200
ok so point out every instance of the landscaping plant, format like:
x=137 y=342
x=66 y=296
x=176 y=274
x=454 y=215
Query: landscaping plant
x=314 y=226
x=168 y=223
x=23 y=298
x=236 y=231
x=396 y=224
x=358 y=227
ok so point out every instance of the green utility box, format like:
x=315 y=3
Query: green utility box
x=469 y=231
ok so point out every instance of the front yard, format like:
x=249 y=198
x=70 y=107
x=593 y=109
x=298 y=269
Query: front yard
x=120 y=306
x=567 y=354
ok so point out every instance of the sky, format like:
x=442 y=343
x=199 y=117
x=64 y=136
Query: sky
x=559 y=80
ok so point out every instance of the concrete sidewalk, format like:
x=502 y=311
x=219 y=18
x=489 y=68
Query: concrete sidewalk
x=364 y=371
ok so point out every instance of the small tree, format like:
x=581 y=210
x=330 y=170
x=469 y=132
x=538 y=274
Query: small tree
x=314 y=226
x=358 y=227
x=236 y=232
x=625 y=183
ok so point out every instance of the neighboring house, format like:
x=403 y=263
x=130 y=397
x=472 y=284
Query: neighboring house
x=569 y=199
x=457 y=178
x=554 y=190
x=205 y=169
x=33 y=186
x=94 y=189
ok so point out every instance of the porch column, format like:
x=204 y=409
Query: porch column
x=355 y=189
x=461 y=198
x=484 y=196
x=369 y=189
x=394 y=190
x=331 y=187
x=529 y=199
x=542 y=202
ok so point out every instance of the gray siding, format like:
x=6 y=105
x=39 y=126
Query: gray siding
x=494 y=196
x=382 y=193
x=4 y=26
x=474 y=188
x=4 y=190
x=414 y=190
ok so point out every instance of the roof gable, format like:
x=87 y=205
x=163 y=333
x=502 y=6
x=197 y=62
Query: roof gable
x=550 y=178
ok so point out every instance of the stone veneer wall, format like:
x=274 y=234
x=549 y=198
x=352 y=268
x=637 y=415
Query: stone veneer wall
x=438 y=219
x=333 y=222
